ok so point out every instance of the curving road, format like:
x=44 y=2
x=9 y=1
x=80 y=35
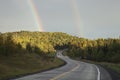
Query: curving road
x=73 y=70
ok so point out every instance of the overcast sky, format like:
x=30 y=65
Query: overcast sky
x=95 y=18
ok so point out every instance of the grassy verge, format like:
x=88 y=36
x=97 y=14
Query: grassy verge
x=25 y=64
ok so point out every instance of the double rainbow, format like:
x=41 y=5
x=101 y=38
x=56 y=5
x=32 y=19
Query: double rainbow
x=77 y=18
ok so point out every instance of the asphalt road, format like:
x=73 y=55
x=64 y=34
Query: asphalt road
x=73 y=70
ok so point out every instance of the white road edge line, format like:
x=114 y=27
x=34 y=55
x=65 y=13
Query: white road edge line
x=65 y=73
x=98 y=70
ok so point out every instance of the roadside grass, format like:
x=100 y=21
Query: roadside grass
x=24 y=64
x=113 y=66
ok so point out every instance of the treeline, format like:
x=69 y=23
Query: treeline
x=43 y=43
x=97 y=50
x=46 y=44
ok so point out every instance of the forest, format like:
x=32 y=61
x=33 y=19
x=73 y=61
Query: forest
x=46 y=43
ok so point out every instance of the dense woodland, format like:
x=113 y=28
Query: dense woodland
x=46 y=43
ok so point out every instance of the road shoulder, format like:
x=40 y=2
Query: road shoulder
x=114 y=75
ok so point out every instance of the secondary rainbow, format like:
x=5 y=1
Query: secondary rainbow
x=77 y=18
x=35 y=14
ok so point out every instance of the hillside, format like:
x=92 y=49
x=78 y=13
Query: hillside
x=39 y=48
x=46 y=43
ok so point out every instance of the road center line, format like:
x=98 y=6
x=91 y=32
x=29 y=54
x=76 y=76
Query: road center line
x=98 y=77
x=65 y=73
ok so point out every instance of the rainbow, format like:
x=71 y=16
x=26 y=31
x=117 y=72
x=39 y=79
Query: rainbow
x=35 y=14
x=77 y=18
